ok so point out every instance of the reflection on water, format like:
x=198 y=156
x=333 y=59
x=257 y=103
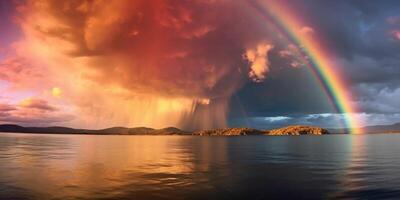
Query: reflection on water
x=372 y=168
x=190 y=167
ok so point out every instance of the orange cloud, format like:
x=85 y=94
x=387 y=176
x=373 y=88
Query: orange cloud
x=21 y=73
x=130 y=63
x=258 y=58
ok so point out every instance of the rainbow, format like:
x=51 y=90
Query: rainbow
x=329 y=77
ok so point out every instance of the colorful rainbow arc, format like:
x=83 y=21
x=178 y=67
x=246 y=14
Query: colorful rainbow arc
x=330 y=79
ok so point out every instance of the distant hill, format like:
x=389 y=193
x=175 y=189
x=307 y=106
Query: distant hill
x=107 y=131
x=290 y=130
x=21 y=129
x=392 y=128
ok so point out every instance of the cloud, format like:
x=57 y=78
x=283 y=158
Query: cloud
x=396 y=34
x=277 y=118
x=21 y=73
x=32 y=111
x=294 y=55
x=306 y=30
x=100 y=34
x=326 y=120
x=258 y=59
x=39 y=104
x=158 y=61
x=379 y=100
x=6 y=108
x=393 y=20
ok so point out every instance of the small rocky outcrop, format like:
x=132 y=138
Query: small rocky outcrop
x=229 y=132
x=298 y=130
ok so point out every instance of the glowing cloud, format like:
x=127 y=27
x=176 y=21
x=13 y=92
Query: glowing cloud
x=306 y=30
x=56 y=92
x=258 y=58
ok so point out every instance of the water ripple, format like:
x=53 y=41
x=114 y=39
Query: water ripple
x=174 y=167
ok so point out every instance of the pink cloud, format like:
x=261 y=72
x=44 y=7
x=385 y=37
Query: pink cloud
x=32 y=111
x=396 y=34
x=20 y=73
x=7 y=108
x=40 y=104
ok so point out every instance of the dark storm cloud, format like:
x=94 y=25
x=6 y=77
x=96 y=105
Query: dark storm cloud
x=364 y=39
x=287 y=90
x=355 y=27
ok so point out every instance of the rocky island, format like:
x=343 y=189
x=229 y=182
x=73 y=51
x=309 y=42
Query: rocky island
x=299 y=130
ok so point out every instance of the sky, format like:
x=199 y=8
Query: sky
x=194 y=64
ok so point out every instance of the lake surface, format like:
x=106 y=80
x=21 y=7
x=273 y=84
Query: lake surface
x=192 y=167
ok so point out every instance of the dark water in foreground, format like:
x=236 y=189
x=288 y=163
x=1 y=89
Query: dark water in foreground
x=190 y=167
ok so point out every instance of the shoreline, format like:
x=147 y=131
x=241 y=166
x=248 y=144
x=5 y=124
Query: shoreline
x=242 y=131
x=260 y=135
x=293 y=130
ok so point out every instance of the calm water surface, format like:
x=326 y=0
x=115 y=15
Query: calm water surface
x=189 y=167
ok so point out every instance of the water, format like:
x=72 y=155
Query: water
x=191 y=167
